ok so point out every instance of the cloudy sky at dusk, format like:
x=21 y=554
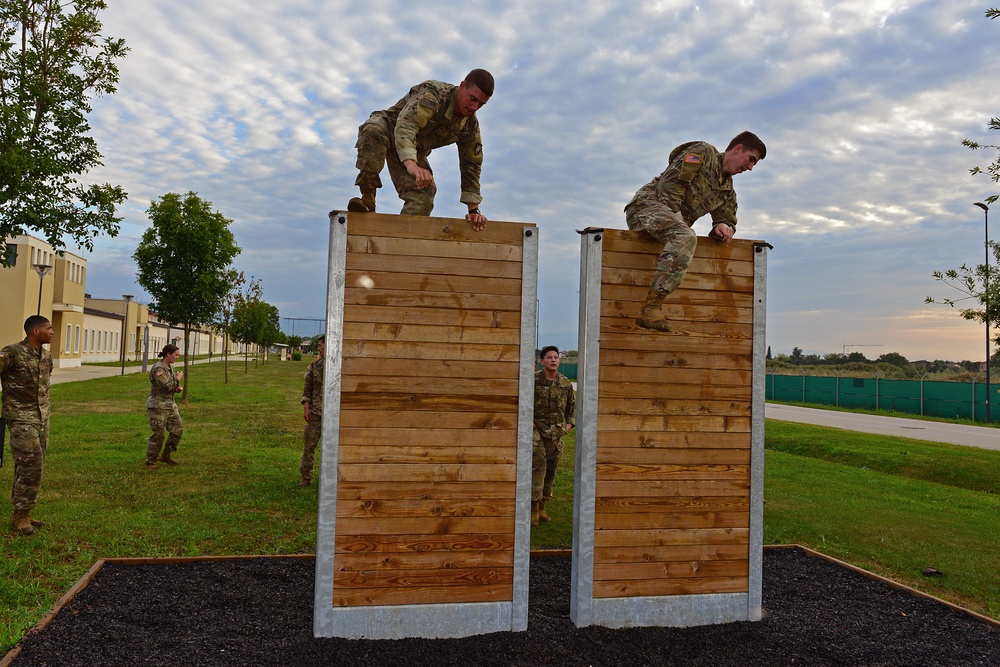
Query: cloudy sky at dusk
x=863 y=105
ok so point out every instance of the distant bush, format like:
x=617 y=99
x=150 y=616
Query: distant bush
x=296 y=356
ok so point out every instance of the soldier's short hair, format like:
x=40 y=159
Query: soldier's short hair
x=750 y=142
x=546 y=350
x=34 y=322
x=482 y=80
x=321 y=339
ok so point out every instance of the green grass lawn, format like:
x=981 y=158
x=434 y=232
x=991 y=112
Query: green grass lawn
x=890 y=505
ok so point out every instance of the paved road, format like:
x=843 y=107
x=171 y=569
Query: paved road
x=88 y=372
x=958 y=434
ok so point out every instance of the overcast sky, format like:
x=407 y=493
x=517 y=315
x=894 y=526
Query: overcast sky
x=862 y=104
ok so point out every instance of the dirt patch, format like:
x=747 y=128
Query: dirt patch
x=259 y=612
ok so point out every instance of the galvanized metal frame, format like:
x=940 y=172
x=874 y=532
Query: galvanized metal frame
x=432 y=620
x=667 y=611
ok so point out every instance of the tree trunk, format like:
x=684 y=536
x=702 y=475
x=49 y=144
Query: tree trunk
x=187 y=378
x=225 y=355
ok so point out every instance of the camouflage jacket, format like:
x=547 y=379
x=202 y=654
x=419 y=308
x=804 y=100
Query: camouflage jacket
x=312 y=392
x=425 y=119
x=693 y=185
x=24 y=374
x=555 y=405
x=163 y=384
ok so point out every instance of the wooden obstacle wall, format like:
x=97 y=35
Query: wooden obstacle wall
x=669 y=471
x=426 y=457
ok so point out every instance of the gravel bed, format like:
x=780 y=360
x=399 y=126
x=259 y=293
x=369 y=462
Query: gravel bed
x=259 y=612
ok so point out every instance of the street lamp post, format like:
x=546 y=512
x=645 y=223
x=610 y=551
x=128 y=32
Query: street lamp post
x=128 y=300
x=986 y=302
x=43 y=270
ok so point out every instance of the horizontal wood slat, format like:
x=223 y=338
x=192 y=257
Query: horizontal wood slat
x=381 y=544
x=681 y=586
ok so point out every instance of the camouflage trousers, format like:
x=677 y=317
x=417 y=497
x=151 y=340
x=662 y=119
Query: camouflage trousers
x=310 y=438
x=678 y=239
x=28 y=444
x=545 y=455
x=375 y=150
x=163 y=422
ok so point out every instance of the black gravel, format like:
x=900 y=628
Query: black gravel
x=259 y=612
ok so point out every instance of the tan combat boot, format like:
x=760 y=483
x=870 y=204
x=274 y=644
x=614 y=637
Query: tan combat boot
x=653 y=315
x=363 y=204
x=535 y=512
x=166 y=458
x=37 y=523
x=542 y=516
x=22 y=522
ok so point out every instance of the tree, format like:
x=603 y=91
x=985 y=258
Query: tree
x=993 y=169
x=971 y=283
x=796 y=355
x=184 y=261
x=295 y=342
x=52 y=62
x=240 y=291
x=895 y=359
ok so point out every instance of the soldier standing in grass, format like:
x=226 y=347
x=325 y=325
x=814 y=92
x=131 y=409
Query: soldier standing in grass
x=162 y=410
x=699 y=180
x=25 y=369
x=312 y=408
x=433 y=114
x=555 y=406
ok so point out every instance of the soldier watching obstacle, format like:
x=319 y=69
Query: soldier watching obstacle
x=554 y=416
x=25 y=369
x=312 y=411
x=698 y=180
x=161 y=409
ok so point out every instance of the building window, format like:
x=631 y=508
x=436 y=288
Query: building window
x=69 y=335
x=76 y=339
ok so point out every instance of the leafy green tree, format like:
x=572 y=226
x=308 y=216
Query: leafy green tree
x=796 y=355
x=971 y=283
x=52 y=62
x=895 y=359
x=993 y=169
x=295 y=342
x=240 y=290
x=184 y=263
x=255 y=322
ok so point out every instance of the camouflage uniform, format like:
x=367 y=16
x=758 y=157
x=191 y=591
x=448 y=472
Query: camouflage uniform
x=423 y=120
x=312 y=393
x=24 y=373
x=555 y=407
x=162 y=411
x=666 y=207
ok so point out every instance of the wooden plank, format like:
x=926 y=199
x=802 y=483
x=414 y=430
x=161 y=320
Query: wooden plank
x=697 y=440
x=680 y=342
x=408 y=490
x=418 y=402
x=347 y=562
x=674 y=521
x=655 y=587
x=691 y=297
x=671 y=570
x=609 y=472
x=431 y=334
x=433 y=228
x=446 y=266
x=692 y=280
x=492 y=420
x=673 y=423
x=497 y=441
x=676 y=308
x=494 y=591
x=663 y=488
x=680 y=392
x=725 y=360
x=384 y=297
x=428 y=385
x=643 y=274
x=431 y=507
x=381 y=349
x=678 y=552
x=387 y=245
x=439 y=368
x=672 y=406
x=424 y=526
x=671 y=504
x=393 y=280
x=470 y=542
x=449 y=317
x=403 y=454
x=656 y=378
x=688 y=455
x=663 y=538
x=621 y=240
x=679 y=327
x=392 y=472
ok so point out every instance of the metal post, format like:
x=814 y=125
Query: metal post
x=986 y=300
x=128 y=300
x=42 y=270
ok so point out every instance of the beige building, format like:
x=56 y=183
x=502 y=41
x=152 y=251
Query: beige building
x=87 y=330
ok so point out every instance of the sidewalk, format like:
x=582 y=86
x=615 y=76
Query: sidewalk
x=88 y=372
x=917 y=429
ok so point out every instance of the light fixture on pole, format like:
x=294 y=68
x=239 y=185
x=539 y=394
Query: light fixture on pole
x=43 y=270
x=128 y=300
x=986 y=302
